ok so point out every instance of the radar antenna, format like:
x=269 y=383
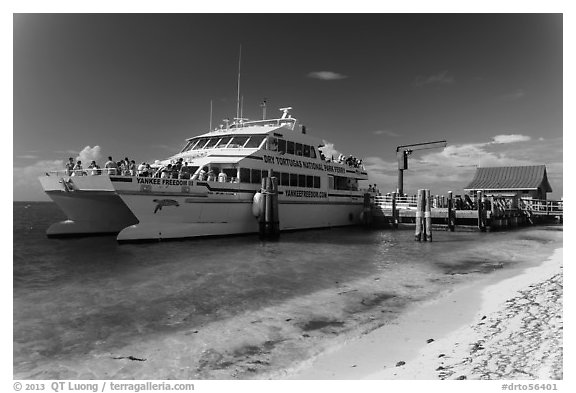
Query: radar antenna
x=285 y=110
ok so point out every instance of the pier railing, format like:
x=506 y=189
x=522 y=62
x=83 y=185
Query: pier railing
x=542 y=207
x=501 y=204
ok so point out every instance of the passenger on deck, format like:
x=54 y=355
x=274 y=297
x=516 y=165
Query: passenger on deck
x=147 y=171
x=141 y=168
x=178 y=165
x=132 y=168
x=166 y=173
x=211 y=176
x=78 y=169
x=222 y=177
x=94 y=169
x=184 y=172
x=202 y=174
x=110 y=166
x=69 y=166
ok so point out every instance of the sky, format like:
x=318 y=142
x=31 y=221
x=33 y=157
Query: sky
x=137 y=85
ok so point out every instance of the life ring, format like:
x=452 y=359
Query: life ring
x=257 y=204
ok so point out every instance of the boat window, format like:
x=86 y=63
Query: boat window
x=187 y=147
x=284 y=179
x=316 y=181
x=293 y=180
x=306 y=151
x=312 y=152
x=281 y=146
x=256 y=176
x=310 y=181
x=212 y=142
x=301 y=180
x=237 y=141
x=244 y=175
x=290 y=147
x=330 y=182
x=200 y=144
x=276 y=175
x=298 y=151
x=255 y=141
x=223 y=142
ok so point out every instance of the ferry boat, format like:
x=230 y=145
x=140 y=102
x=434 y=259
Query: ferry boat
x=217 y=195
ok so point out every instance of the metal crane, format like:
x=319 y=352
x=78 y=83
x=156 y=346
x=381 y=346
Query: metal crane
x=402 y=153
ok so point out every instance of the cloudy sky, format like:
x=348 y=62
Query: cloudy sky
x=131 y=85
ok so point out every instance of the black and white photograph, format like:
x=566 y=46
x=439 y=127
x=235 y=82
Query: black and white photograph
x=281 y=195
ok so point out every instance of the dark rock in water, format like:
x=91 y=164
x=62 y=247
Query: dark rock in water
x=440 y=368
x=377 y=299
x=483 y=318
x=400 y=363
x=461 y=377
x=288 y=319
x=129 y=358
x=429 y=340
x=305 y=335
x=441 y=355
x=319 y=324
x=354 y=365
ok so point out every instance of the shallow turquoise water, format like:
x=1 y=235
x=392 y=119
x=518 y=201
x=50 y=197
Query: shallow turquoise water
x=229 y=307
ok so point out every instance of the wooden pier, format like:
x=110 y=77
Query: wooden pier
x=479 y=212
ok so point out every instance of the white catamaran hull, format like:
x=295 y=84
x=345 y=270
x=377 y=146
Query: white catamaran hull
x=166 y=216
x=90 y=203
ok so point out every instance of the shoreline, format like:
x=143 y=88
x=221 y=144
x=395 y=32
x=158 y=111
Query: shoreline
x=488 y=329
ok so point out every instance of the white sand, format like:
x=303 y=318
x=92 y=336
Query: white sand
x=500 y=327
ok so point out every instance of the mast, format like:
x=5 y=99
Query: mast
x=210 y=115
x=238 y=98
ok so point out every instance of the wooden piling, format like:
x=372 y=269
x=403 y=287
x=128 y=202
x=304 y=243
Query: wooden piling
x=427 y=216
x=481 y=211
x=419 y=215
x=367 y=210
x=451 y=212
x=394 y=211
x=269 y=224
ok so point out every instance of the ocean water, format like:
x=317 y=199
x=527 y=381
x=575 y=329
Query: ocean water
x=225 y=308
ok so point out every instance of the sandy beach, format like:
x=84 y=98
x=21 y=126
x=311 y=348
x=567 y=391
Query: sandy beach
x=506 y=326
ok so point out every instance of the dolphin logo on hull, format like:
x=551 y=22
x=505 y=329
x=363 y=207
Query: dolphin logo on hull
x=164 y=202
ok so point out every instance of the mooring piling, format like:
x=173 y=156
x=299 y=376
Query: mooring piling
x=481 y=211
x=269 y=224
x=394 y=210
x=419 y=215
x=451 y=212
x=427 y=216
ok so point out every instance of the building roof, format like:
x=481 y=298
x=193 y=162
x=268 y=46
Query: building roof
x=510 y=177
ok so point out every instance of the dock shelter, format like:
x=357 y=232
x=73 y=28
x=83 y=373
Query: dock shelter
x=511 y=181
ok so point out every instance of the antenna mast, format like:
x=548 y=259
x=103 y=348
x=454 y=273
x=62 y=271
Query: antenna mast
x=238 y=98
x=263 y=105
x=210 y=115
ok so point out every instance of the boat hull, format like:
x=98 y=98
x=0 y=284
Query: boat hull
x=172 y=216
x=90 y=204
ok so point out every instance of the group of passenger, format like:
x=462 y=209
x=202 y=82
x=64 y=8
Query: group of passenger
x=127 y=167
x=350 y=161
x=76 y=169
x=342 y=159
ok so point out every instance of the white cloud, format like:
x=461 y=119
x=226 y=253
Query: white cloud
x=329 y=150
x=88 y=154
x=440 y=78
x=515 y=95
x=326 y=75
x=453 y=167
x=512 y=138
x=386 y=133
